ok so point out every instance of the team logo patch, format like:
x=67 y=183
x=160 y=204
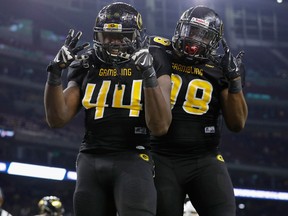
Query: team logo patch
x=220 y=158
x=144 y=157
x=140 y=130
x=210 y=129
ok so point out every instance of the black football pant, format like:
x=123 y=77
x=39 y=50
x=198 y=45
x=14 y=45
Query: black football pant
x=205 y=180
x=115 y=182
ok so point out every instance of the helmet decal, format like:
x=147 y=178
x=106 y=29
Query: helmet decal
x=112 y=27
x=200 y=22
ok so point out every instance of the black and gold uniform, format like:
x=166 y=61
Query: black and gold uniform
x=187 y=159
x=113 y=102
x=117 y=83
x=116 y=141
x=196 y=108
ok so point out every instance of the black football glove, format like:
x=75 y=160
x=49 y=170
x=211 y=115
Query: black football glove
x=64 y=57
x=241 y=66
x=229 y=63
x=233 y=68
x=67 y=53
x=144 y=62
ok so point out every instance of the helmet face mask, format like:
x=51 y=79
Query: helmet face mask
x=113 y=42
x=117 y=31
x=197 y=33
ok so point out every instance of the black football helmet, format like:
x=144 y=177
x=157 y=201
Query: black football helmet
x=118 y=32
x=197 y=33
x=51 y=205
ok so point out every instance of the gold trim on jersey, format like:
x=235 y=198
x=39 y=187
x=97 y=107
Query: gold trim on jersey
x=210 y=66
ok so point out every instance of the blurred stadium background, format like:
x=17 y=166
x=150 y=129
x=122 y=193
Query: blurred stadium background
x=32 y=31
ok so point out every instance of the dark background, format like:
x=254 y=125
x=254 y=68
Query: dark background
x=32 y=31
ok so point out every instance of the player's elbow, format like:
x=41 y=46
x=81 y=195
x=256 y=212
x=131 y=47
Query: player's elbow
x=160 y=129
x=159 y=132
x=54 y=124
x=236 y=127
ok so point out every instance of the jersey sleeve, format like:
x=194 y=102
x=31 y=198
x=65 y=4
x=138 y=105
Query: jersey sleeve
x=78 y=70
x=161 y=62
x=75 y=73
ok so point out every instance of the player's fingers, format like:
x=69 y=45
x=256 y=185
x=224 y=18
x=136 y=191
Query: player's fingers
x=64 y=57
x=75 y=40
x=69 y=37
x=225 y=45
x=240 y=54
x=79 y=48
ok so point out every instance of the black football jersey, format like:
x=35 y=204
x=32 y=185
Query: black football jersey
x=113 y=97
x=195 y=102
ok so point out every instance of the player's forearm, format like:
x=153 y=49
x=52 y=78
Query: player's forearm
x=157 y=111
x=55 y=108
x=236 y=112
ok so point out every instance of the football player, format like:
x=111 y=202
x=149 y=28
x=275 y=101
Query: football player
x=205 y=87
x=50 y=206
x=124 y=87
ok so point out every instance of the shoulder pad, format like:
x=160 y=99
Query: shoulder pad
x=160 y=41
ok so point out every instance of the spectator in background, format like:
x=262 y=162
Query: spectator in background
x=2 y=211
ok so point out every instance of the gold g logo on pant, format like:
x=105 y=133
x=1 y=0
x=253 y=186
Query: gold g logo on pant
x=144 y=157
x=220 y=158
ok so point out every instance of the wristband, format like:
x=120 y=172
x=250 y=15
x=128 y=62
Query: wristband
x=149 y=78
x=54 y=74
x=235 y=86
x=54 y=79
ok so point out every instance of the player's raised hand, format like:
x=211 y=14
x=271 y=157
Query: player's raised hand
x=69 y=50
x=142 y=59
x=144 y=62
x=64 y=57
x=229 y=63
x=67 y=53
